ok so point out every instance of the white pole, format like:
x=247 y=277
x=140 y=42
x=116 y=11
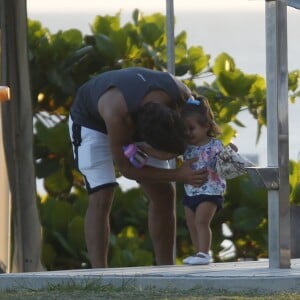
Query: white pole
x=170 y=36
x=277 y=134
x=171 y=68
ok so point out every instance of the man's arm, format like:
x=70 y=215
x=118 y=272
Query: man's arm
x=120 y=129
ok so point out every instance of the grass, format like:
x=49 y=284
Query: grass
x=91 y=291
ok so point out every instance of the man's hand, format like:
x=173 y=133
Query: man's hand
x=190 y=176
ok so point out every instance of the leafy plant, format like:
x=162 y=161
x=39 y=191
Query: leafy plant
x=295 y=182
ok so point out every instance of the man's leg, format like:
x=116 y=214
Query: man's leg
x=94 y=160
x=162 y=220
x=97 y=226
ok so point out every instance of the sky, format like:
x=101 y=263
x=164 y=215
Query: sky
x=146 y=5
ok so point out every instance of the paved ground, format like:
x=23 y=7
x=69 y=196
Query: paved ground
x=254 y=275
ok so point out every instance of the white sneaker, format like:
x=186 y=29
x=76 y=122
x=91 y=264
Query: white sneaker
x=187 y=259
x=199 y=259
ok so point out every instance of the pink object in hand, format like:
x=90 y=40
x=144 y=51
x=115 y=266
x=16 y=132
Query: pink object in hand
x=135 y=155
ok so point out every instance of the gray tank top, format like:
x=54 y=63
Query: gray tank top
x=134 y=83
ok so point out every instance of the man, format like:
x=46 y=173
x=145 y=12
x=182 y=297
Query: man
x=111 y=111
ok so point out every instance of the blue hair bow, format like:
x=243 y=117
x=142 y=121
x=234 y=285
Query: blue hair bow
x=193 y=101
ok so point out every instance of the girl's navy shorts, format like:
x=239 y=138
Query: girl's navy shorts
x=193 y=201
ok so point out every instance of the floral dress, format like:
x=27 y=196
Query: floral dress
x=215 y=184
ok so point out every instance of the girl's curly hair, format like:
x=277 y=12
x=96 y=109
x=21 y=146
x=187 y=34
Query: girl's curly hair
x=205 y=116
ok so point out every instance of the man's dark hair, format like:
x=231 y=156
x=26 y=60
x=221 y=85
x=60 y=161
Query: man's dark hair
x=161 y=127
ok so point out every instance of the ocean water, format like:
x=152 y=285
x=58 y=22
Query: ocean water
x=239 y=33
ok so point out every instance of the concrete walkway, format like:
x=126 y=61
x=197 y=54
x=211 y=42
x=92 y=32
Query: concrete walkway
x=237 y=276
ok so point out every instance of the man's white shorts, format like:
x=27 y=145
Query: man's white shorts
x=94 y=159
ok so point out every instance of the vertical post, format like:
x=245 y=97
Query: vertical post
x=170 y=36
x=4 y=211
x=17 y=132
x=277 y=135
x=171 y=69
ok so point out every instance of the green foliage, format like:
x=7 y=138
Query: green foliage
x=54 y=83
x=75 y=233
x=245 y=214
x=127 y=249
x=293 y=83
x=130 y=240
x=295 y=182
x=61 y=62
x=63 y=230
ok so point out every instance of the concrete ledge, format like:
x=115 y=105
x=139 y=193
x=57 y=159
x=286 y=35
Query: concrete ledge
x=239 y=276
